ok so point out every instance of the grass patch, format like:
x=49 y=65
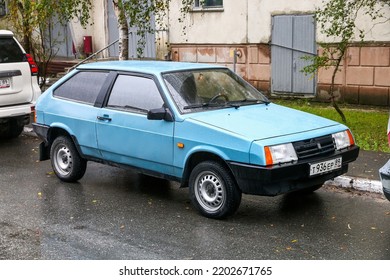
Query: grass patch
x=368 y=124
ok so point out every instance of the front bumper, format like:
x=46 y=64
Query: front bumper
x=279 y=179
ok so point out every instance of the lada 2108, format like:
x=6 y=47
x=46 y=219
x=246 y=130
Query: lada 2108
x=198 y=124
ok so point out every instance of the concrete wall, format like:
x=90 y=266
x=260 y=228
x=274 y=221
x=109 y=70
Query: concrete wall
x=364 y=77
x=253 y=63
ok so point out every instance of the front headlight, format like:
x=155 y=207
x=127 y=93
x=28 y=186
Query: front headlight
x=280 y=154
x=343 y=139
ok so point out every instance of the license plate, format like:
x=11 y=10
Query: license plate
x=325 y=166
x=4 y=83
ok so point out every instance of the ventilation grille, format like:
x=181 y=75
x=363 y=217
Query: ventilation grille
x=314 y=147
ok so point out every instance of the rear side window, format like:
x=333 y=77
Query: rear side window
x=83 y=87
x=135 y=93
x=10 y=51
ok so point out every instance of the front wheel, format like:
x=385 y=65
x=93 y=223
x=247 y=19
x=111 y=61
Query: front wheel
x=213 y=190
x=67 y=164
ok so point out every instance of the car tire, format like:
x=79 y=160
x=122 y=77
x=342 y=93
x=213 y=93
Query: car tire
x=213 y=190
x=67 y=163
x=12 y=129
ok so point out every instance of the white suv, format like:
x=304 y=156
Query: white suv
x=19 y=87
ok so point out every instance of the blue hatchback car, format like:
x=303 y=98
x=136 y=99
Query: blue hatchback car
x=200 y=125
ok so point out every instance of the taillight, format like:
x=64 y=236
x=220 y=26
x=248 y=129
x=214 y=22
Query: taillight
x=33 y=65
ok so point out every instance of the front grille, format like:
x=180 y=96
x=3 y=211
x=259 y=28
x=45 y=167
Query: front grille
x=314 y=147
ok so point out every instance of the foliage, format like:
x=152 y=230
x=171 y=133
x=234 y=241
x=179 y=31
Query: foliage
x=337 y=21
x=33 y=21
x=368 y=125
x=139 y=14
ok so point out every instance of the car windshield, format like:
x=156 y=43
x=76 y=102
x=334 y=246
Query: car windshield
x=212 y=88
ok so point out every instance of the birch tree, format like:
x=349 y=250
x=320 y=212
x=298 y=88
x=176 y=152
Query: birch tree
x=337 y=20
x=33 y=21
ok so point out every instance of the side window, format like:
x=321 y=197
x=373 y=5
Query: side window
x=83 y=87
x=133 y=92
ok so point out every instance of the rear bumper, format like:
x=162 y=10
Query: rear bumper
x=275 y=180
x=20 y=113
x=8 y=112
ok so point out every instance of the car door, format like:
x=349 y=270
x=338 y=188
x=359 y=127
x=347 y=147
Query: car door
x=125 y=135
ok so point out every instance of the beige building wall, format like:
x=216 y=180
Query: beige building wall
x=98 y=30
x=212 y=35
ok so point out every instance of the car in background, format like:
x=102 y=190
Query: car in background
x=384 y=171
x=19 y=87
x=198 y=124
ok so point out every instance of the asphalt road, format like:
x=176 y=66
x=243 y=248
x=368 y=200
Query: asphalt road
x=117 y=214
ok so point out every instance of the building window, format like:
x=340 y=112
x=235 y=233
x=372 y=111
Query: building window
x=208 y=3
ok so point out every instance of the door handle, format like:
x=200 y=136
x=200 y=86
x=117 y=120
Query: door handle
x=104 y=118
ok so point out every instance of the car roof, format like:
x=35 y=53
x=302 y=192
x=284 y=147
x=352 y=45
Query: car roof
x=6 y=33
x=150 y=67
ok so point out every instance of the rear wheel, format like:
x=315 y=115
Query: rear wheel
x=12 y=129
x=213 y=190
x=67 y=164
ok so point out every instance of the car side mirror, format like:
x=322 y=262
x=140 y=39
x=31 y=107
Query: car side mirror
x=160 y=114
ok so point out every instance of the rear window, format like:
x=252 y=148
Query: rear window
x=10 y=51
x=83 y=87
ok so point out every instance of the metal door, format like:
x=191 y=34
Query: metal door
x=293 y=36
x=61 y=39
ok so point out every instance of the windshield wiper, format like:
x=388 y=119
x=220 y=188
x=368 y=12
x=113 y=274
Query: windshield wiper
x=255 y=101
x=203 y=105
x=234 y=104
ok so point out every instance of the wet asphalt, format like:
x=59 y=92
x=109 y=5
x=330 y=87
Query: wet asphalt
x=116 y=214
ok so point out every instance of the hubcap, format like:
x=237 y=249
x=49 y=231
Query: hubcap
x=63 y=160
x=209 y=191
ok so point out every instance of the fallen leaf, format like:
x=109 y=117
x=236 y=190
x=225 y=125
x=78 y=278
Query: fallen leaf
x=373 y=228
x=294 y=241
x=349 y=226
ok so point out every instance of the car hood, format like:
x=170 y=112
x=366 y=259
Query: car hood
x=258 y=122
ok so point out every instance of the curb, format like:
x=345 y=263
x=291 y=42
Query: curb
x=360 y=184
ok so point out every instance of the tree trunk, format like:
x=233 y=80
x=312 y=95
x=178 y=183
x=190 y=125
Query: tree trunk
x=123 y=30
x=332 y=86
